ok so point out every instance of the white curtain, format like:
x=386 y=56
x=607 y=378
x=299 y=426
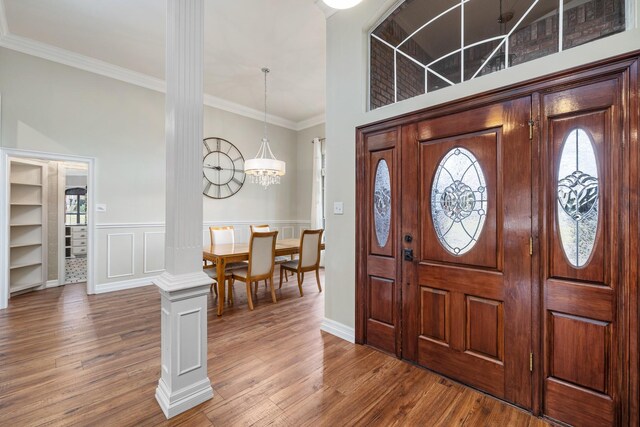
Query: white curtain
x=316 y=188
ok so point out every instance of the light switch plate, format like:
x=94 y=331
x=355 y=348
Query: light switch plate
x=101 y=207
x=338 y=208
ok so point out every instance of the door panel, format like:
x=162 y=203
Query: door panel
x=470 y=287
x=483 y=146
x=582 y=341
x=382 y=291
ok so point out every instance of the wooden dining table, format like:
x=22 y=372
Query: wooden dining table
x=221 y=255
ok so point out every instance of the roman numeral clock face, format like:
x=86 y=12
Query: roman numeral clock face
x=222 y=168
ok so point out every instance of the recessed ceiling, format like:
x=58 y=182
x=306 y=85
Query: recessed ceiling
x=241 y=36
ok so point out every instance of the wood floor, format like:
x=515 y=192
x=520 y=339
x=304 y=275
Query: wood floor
x=71 y=359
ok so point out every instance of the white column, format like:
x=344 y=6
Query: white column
x=184 y=286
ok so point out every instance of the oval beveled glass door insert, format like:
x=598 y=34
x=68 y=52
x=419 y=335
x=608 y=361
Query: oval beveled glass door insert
x=382 y=203
x=459 y=201
x=577 y=192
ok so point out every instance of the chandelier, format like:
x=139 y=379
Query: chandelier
x=265 y=169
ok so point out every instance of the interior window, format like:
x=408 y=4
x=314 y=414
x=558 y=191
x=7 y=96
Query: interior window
x=425 y=45
x=75 y=206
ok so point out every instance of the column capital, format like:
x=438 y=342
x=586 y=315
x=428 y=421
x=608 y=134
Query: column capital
x=171 y=283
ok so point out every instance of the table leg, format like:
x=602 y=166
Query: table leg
x=220 y=265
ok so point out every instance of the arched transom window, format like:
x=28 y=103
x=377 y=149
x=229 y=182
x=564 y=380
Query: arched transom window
x=425 y=45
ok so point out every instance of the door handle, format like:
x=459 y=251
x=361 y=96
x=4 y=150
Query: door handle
x=407 y=254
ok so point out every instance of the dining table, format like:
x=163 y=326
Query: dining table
x=222 y=254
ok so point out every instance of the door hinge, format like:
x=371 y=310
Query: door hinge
x=530 y=362
x=531 y=123
x=530 y=245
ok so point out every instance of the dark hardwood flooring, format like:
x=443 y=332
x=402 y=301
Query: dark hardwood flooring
x=71 y=359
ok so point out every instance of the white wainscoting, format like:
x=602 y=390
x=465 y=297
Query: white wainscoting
x=153 y=252
x=120 y=255
x=130 y=255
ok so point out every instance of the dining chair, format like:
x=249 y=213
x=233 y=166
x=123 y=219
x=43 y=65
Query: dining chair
x=309 y=259
x=262 y=250
x=225 y=236
x=265 y=228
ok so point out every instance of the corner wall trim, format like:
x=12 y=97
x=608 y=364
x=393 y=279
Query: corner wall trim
x=338 y=329
x=102 y=288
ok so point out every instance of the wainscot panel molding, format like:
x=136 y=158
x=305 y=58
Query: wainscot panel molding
x=119 y=253
x=130 y=252
x=153 y=251
x=338 y=329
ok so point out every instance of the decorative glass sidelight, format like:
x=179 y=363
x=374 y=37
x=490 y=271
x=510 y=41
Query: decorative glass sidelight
x=577 y=197
x=459 y=201
x=382 y=203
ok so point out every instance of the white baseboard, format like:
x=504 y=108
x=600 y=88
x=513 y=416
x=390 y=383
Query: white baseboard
x=102 y=288
x=338 y=329
x=52 y=284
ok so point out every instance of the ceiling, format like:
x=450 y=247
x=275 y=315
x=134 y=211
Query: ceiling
x=241 y=36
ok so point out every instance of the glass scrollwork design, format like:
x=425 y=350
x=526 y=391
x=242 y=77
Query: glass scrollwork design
x=382 y=203
x=459 y=201
x=577 y=196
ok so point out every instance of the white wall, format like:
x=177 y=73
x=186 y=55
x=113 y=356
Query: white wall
x=54 y=108
x=346 y=109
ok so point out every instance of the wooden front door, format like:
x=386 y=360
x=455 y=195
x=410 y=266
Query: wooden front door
x=466 y=222
x=379 y=218
x=583 y=137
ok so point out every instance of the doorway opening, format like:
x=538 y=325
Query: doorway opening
x=46 y=204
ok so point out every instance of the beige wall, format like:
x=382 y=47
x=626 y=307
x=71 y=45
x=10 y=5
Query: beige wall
x=346 y=109
x=54 y=108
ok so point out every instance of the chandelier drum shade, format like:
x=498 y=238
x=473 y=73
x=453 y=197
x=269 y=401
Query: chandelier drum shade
x=265 y=169
x=341 y=4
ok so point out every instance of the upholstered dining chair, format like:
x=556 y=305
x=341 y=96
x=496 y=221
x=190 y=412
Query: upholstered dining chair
x=264 y=228
x=262 y=250
x=309 y=259
x=224 y=236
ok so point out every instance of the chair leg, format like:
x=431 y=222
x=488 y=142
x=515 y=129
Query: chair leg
x=281 y=272
x=286 y=275
x=214 y=288
x=273 y=291
x=249 y=300
x=300 y=279
x=318 y=280
x=230 y=290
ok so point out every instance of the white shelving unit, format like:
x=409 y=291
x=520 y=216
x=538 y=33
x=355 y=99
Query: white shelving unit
x=27 y=225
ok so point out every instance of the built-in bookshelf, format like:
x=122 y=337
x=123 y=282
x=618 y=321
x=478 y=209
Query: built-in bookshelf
x=27 y=225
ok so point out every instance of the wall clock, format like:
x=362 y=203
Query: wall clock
x=222 y=168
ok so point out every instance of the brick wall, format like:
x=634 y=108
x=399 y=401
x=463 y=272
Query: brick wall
x=410 y=75
x=583 y=23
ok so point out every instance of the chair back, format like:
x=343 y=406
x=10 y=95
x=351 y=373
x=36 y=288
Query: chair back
x=310 y=243
x=264 y=228
x=222 y=235
x=262 y=252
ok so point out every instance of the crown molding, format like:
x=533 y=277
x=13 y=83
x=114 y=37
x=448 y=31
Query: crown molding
x=82 y=62
x=232 y=107
x=4 y=27
x=96 y=66
x=312 y=121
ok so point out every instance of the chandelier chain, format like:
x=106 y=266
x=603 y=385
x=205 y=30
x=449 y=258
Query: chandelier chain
x=265 y=70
